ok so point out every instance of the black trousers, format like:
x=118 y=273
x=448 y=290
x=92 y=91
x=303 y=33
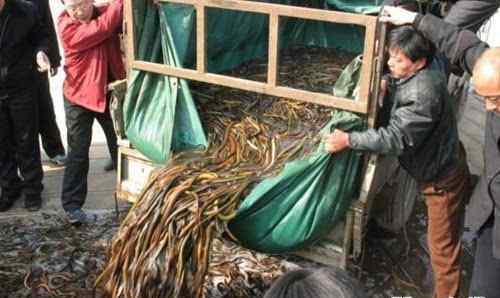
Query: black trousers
x=79 y=122
x=49 y=132
x=486 y=273
x=19 y=146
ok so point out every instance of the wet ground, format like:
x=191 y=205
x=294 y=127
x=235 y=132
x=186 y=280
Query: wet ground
x=44 y=256
x=396 y=265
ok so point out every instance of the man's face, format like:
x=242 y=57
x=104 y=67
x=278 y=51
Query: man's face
x=486 y=79
x=492 y=103
x=490 y=91
x=80 y=10
x=491 y=99
x=400 y=65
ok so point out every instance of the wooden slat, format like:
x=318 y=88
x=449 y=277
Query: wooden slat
x=201 y=53
x=282 y=10
x=221 y=80
x=273 y=66
x=377 y=74
x=271 y=88
x=129 y=32
x=367 y=68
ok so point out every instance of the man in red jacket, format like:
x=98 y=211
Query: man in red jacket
x=89 y=36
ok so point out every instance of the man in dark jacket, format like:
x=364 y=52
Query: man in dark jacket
x=49 y=132
x=482 y=218
x=466 y=14
x=23 y=40
x=422 y=132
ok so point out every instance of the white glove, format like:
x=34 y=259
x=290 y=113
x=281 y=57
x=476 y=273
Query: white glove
x=42 y=61
x=397 y=16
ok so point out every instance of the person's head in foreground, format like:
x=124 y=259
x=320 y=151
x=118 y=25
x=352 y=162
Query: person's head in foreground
x=486 y=78
x=409 y=52
x=325 y=282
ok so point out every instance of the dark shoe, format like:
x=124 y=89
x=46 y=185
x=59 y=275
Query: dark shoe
x=33 y=204
x=78 y=217
x=7 y=201
x=110 y=166
x=59 y=160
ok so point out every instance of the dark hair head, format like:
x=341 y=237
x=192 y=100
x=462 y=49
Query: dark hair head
x=412 y=43
x=326 y=282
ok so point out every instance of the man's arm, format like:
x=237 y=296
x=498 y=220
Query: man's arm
x=79 y=36
x=461 y=47
x=38 y=33
x=38 y=36
x=54 y=55
x=409 y=126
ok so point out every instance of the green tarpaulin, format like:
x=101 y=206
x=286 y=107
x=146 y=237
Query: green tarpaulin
x=310 y=195
x=356 y=6
x=159 y=112
x=304 y=201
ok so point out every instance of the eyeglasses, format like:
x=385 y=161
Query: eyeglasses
x=78 y=5
x=493 y=98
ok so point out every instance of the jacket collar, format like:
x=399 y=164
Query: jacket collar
x=399 y=82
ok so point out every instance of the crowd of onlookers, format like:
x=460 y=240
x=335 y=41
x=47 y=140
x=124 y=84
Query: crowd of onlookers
x=421 y=128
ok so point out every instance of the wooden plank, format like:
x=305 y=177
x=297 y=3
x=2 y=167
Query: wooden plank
x=271 y=88
x=129 y=33
x=273 y=66
x=367 y=68
x=377 y=74
x=201 y=53
x=283 y=10
x=133 y=173
x=221 y=80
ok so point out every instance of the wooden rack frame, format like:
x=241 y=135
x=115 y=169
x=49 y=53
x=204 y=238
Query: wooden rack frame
x=369 y=72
